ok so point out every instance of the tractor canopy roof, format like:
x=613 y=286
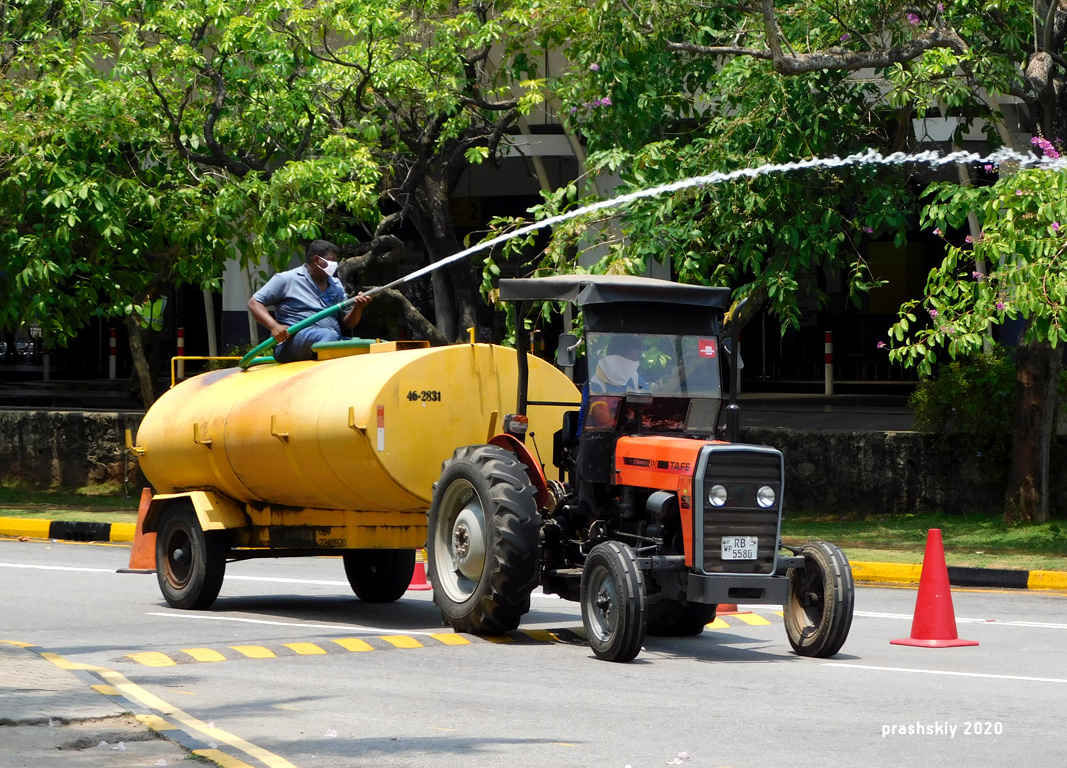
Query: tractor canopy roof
x=604 y=289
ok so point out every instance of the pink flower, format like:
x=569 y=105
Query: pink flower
x=989 y=168
x=977 y=276
x=938 y=232
x=845 y=37
x=1000 y=306
x=933 y=312
x=968 y=239
x=1055 y=226
x=880 y=345
x=868 y=230
x=1019 y=192
x=912 y=18
x=594 y=67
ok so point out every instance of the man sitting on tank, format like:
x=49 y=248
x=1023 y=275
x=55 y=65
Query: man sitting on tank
x=298 y=294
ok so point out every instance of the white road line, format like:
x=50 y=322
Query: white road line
x=945 y=672
x=57 y=568
x=287 y=581
x=961 y=620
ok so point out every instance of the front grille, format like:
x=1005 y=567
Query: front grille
x=742 y=471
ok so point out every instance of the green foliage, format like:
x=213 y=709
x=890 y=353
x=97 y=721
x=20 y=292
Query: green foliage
x=973 y=395
x=1015 y=269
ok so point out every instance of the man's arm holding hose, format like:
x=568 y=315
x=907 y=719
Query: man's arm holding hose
x=354 y=314
x=263 y=316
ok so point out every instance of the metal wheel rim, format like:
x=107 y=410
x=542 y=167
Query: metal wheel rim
x=460 y=541
x=602 y=603
x=806 y=618
x=178 y=572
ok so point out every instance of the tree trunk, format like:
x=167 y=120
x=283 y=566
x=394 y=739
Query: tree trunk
x=140 y=361
x=1037 y=371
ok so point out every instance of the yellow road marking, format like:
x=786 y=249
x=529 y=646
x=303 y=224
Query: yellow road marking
x=156 y=723
x=305 y=649
x=541 y=634
x=449 y=639
x=135 y=692
x=498 y=638
x=401 y=641
x=717 y=624
x=255 y=651
x=221 y=758
x=354 y=644
x=107 y=690
x=152 y=659
x=204 y=654
x=752 y=619
x=779 y=613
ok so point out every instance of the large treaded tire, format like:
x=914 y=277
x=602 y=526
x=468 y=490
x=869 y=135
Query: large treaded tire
x=670 y=618
x=190 y=563
x=483 y=540
x=379 y=575
x=818 y=613
x=614 y=604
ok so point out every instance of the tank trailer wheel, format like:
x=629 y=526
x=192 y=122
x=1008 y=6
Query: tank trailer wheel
x=669 y=618
x=379 y=575
x=818 y=613
x=613 y=602
x=190 y=563
x=484 y=539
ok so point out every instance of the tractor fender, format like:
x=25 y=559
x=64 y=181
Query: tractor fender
x=533 y=466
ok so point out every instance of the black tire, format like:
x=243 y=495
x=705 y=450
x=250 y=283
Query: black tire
x=190 y=563
x=614 y=605
x=483 y=540
x=379 y=575
x=670 y=618
x=818 y=614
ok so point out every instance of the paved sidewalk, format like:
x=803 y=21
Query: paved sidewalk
x=49 y=716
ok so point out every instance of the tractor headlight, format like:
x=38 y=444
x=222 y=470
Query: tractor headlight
x=717 y=495
x=765 y=497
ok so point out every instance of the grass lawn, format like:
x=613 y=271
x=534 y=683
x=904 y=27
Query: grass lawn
x=980 y=541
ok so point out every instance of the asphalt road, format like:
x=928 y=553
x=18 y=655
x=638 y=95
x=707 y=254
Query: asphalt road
x=289 y=669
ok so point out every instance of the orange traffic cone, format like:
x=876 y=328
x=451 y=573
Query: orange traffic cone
x=418 y=576
x=143 y=554
x=934 y=623
x=728 y=609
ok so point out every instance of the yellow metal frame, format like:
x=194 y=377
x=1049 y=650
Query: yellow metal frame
x=215 y=511
x=174 y=363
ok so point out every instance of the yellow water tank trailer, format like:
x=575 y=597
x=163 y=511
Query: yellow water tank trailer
x=340 y=453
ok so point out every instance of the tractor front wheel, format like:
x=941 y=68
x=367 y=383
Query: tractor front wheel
x=818 y=613
x=613 y=600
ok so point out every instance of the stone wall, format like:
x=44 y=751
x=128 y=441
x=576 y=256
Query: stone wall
x=839 y=472
x=66 y=448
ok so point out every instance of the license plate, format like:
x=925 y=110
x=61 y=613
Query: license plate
x=739 y=547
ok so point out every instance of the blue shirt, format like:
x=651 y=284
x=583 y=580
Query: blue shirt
x=294 y=296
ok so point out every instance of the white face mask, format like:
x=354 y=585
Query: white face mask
x=618 y=370
x=331 y=267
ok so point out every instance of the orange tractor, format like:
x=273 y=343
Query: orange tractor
x=655 y=520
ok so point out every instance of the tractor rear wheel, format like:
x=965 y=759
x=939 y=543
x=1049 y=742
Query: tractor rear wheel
x=190 y=562
x=818 y=613
x=670 y=618
x=613 y=602
x=484 y=539
x=379 y=575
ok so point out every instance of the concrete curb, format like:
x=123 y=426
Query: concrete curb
x=865 y=572
x=69 y=531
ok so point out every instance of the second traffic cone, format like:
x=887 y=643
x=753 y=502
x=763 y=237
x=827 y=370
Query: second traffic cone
x=934 y=623
x=728 y=609
x=418 y=576
x=143 y=554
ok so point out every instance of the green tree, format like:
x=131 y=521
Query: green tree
x=670 y=88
